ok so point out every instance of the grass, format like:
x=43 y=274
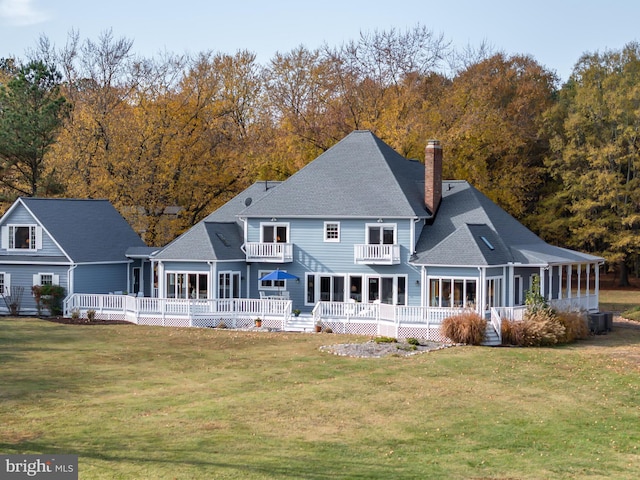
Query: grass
x=619 y=300
x=156 y=403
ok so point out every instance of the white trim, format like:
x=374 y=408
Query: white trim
x=51 y=237
x=325 y=231
x=381 y=225
x=6 y=281
x=275 y=224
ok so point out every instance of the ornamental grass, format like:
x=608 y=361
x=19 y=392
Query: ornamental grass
x=468 y=327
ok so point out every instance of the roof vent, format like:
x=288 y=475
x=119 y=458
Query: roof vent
x=248 y=201
x=487 y=243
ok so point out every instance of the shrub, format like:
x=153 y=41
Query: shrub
x=385 y=340
x=413 y=341
x=222 y=325
x=75 y=313
x=91 y=315
x=469 y=328
x=328 y=330
x=49 y=296
x=576 y=326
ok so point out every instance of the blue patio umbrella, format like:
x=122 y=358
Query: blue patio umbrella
x=278 y=275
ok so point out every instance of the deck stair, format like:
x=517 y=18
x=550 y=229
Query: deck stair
x=491 y=338
x=301 y=323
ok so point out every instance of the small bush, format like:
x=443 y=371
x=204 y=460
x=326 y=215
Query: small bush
x=75 y=314
x=222 y=325
x=385 y=340
x=413 y=341
x=328 y=330
x=91 y=315
x=469 y=328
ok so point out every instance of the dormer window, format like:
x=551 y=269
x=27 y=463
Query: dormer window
x=21 y=237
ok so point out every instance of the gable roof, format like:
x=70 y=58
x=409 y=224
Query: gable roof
x=205 y=241
x=465 y=217
x=88 y=231
x=360 y=176
x=219 y=235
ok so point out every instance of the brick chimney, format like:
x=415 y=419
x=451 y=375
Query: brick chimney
x=433 y=176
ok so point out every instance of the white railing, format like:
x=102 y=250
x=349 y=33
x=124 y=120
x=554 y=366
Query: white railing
x=377 y=254
x=134 y=307
x=496 y=322
x=515 y=314
x=587 y=303
x=269 y=252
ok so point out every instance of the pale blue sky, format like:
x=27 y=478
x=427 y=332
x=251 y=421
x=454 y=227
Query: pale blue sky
x=555 y=33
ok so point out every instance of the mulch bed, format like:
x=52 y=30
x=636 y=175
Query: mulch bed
x=84 y=321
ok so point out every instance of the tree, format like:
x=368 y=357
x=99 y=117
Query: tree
x=32 y=111
x=596 y=155
x=491 y=120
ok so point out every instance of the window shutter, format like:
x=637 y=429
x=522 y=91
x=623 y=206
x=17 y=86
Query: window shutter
x=5 y=237
x=56 y=279
x=36 y=279
x=38 y=237
x=7 y=284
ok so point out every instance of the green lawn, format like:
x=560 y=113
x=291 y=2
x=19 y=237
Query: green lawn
x=162 y=403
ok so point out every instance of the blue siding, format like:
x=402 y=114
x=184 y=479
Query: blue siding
x=20 y=215
x=22 y=276
x=100 y=278
x=313 y=255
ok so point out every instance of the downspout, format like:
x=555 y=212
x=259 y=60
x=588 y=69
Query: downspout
x=482 y=303
x=412 y=234
x=244 y=234
x=128 y=290
x=70 y=279
x=71 y=284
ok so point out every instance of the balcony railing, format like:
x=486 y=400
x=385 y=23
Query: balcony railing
x=377 y=254
x=269 y=252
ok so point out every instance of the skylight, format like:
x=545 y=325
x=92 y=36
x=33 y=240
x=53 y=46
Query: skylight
x=487 y=243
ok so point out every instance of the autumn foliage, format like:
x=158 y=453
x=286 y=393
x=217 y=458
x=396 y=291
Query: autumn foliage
x=169 y=139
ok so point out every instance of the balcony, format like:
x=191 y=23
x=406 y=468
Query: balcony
x=377 y=254
x=269 y=252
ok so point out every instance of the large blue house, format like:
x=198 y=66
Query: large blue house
x=363 y=227
x=376 y=243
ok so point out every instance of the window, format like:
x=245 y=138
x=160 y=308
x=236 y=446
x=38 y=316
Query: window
x=5 y=288
x=46 y=279
x=381 y=234
x=331 y=231
x=275 y=233
x=21 y=237
x=229 y=285
x=325 y=288
x=494 y=292
x=452 y=292
x=270 y=284
x=339 y=288
x=187 y=285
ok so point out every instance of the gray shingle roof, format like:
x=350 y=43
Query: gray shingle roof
x=87 y=230
x=219 y=235
x=360 y=176
x=206 y=241
x=465 y=216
